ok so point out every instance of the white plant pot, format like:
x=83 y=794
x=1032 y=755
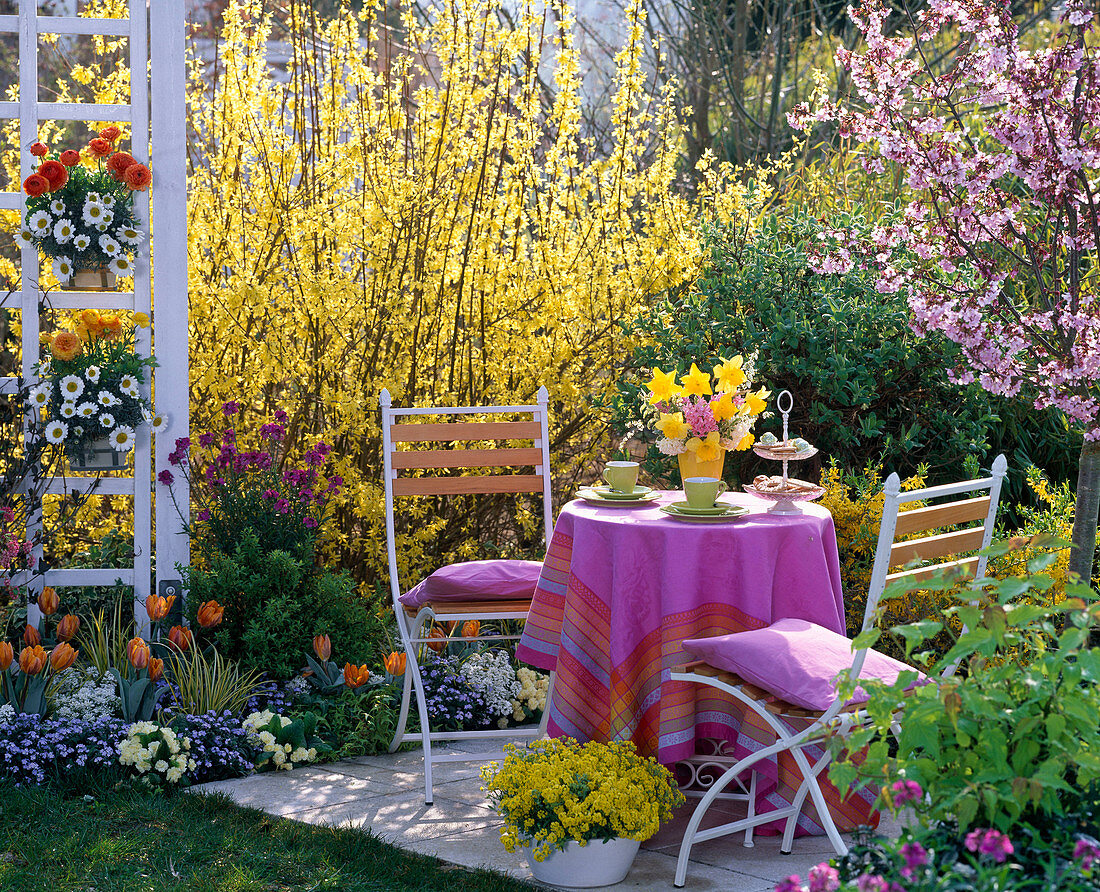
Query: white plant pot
x=597 y=863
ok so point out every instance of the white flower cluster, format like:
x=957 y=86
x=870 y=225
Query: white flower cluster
x=671 y=447
x=490 y=673
x=534 y=686
x=156 y=748
x=283 y=755
x=98 y=214
x=7 y=713
x=72 y=389
x=81 y=695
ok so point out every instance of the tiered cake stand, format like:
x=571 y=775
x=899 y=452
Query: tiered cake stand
x=785 y=502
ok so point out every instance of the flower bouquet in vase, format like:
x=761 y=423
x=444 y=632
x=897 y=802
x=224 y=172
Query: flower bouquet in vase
x=701 y=417
x=579 y=811
x=80 y=211
x=89 y=394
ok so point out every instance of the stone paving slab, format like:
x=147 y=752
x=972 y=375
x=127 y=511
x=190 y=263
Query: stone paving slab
x=385 y=794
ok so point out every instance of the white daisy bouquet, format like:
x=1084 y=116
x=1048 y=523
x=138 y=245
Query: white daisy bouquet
x=80 y=206
x=93 y=385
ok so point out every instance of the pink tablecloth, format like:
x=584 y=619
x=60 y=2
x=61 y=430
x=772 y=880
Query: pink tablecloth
x=622 y=587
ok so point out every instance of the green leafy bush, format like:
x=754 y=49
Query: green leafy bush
x=357 y=722
x=275 y=604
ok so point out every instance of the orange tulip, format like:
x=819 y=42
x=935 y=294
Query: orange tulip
x=355 y=676
x=7 y=656
x=322 y=647
x=137 y=652
x=180 y=638
x=62 y=657
x=156 y=669
x=440 y=636
x=395 y=663
x=33 y=660
x=31 y=636
x=210 y=614
x=68 y=627
x=470 y=628
x=48 y=601
x=158 y=607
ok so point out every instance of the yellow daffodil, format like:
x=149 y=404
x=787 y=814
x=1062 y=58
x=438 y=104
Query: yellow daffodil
x=754 y=402
x=728 y=374
x=746 y=442
x=707 y=449
x=696 y=382
x=673 y=426
x=723 y=407
x=662 y=387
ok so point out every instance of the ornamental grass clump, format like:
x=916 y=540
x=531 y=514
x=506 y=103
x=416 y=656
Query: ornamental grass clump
x=554 y=791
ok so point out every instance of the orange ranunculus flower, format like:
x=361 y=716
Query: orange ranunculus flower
x=158 y=607
x=210 y=614
x=355 y=676
x=7 y=655
x=109 y=133
x=56 y=173
x=31 y=636
x=38 y=149
x=112 y=326
x=62 y=656
x=322 y=646
x=137 y=652
x=156 y=669
x=99 y=148
x=48 y=602
x=68 y=627
x=395 y=663
x=119 y=163
x=36 y=185
x=137 y=177
x=470 y=628
x=439 y=636
x=70 y=157
x=65 y=345
x=180 y=638
x=33 y=659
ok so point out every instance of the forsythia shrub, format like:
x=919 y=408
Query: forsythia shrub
x=423 y=218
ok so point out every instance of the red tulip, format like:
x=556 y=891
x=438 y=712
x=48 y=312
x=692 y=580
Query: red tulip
x=31 y=636
x=439 y=642
x=137 y=652
x=470 y=628
x=322 y=646
x=62 y=657
x=7 y=656
x=33 y=660
x=156 y=669
x=68 y=627
x=48 y=602
x=355 y=676
x=180 y=638
x=158 y=607
x=395 y=663
x=210 y=614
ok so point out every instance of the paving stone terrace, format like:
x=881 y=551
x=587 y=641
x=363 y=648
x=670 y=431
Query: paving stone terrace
x=385 y=794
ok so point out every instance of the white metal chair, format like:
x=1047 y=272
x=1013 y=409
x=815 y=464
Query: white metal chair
x=464 y=603
x=797 y=727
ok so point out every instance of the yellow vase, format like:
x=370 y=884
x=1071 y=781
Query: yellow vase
x=690 y=466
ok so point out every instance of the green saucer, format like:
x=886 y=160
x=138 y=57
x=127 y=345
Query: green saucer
x=734 y=512
x=715 y=509
x=608 y=493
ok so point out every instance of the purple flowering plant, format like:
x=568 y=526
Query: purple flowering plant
x=238 y=491
x=219 y=745
x=36 y=751
x=453 y=704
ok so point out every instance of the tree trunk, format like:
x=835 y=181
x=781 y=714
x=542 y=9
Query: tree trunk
x=1085 y=515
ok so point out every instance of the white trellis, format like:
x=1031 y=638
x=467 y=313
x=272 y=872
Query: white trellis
x=156 y=114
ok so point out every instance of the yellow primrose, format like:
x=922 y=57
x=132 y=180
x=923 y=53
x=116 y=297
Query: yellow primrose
x=696 y=382
x=673 y=426
x=754 y=402
x=662 y=387
x=729 y=375
x=707 y=449
x=723 y=407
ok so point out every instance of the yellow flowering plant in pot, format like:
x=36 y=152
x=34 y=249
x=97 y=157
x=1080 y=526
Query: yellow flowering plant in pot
x=579 y=810
x=703 y=416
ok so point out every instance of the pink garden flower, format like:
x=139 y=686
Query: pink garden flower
x=990 y=842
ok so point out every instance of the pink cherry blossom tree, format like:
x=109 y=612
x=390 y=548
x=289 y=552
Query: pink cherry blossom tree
x=999 y=143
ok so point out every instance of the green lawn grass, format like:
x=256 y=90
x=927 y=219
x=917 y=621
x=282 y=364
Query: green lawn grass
x=130 y=841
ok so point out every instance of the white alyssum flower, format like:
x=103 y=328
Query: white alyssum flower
x=122 y=439
x=82 y=242
x=93 y=212
x=71 y=387
x=40 y=222
x=121 y=266
x=7 y=713
x=107 y=420
x=68 y=409
x=56 y=431
x=490 y=673
x=63 y=269
x=81 y=695
x=108 y=399
x=57 y=206
x=109 y=246
x=671 y=447
x=63 y=230
x=92 y=373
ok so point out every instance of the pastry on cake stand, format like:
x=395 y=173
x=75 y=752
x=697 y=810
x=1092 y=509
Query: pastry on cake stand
x=785 y=491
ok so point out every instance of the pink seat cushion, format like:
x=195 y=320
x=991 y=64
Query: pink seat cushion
x=795 y=660
x=498 y=580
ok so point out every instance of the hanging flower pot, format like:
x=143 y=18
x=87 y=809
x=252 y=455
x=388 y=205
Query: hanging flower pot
x=91 y=280
x=96 y=455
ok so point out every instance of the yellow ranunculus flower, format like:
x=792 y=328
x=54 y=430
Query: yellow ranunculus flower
x=673 y=426
x=141 y=320
x=706 y=449
x=728 y=374
x=723 y=407
x=696 y=382
x=662 y=387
